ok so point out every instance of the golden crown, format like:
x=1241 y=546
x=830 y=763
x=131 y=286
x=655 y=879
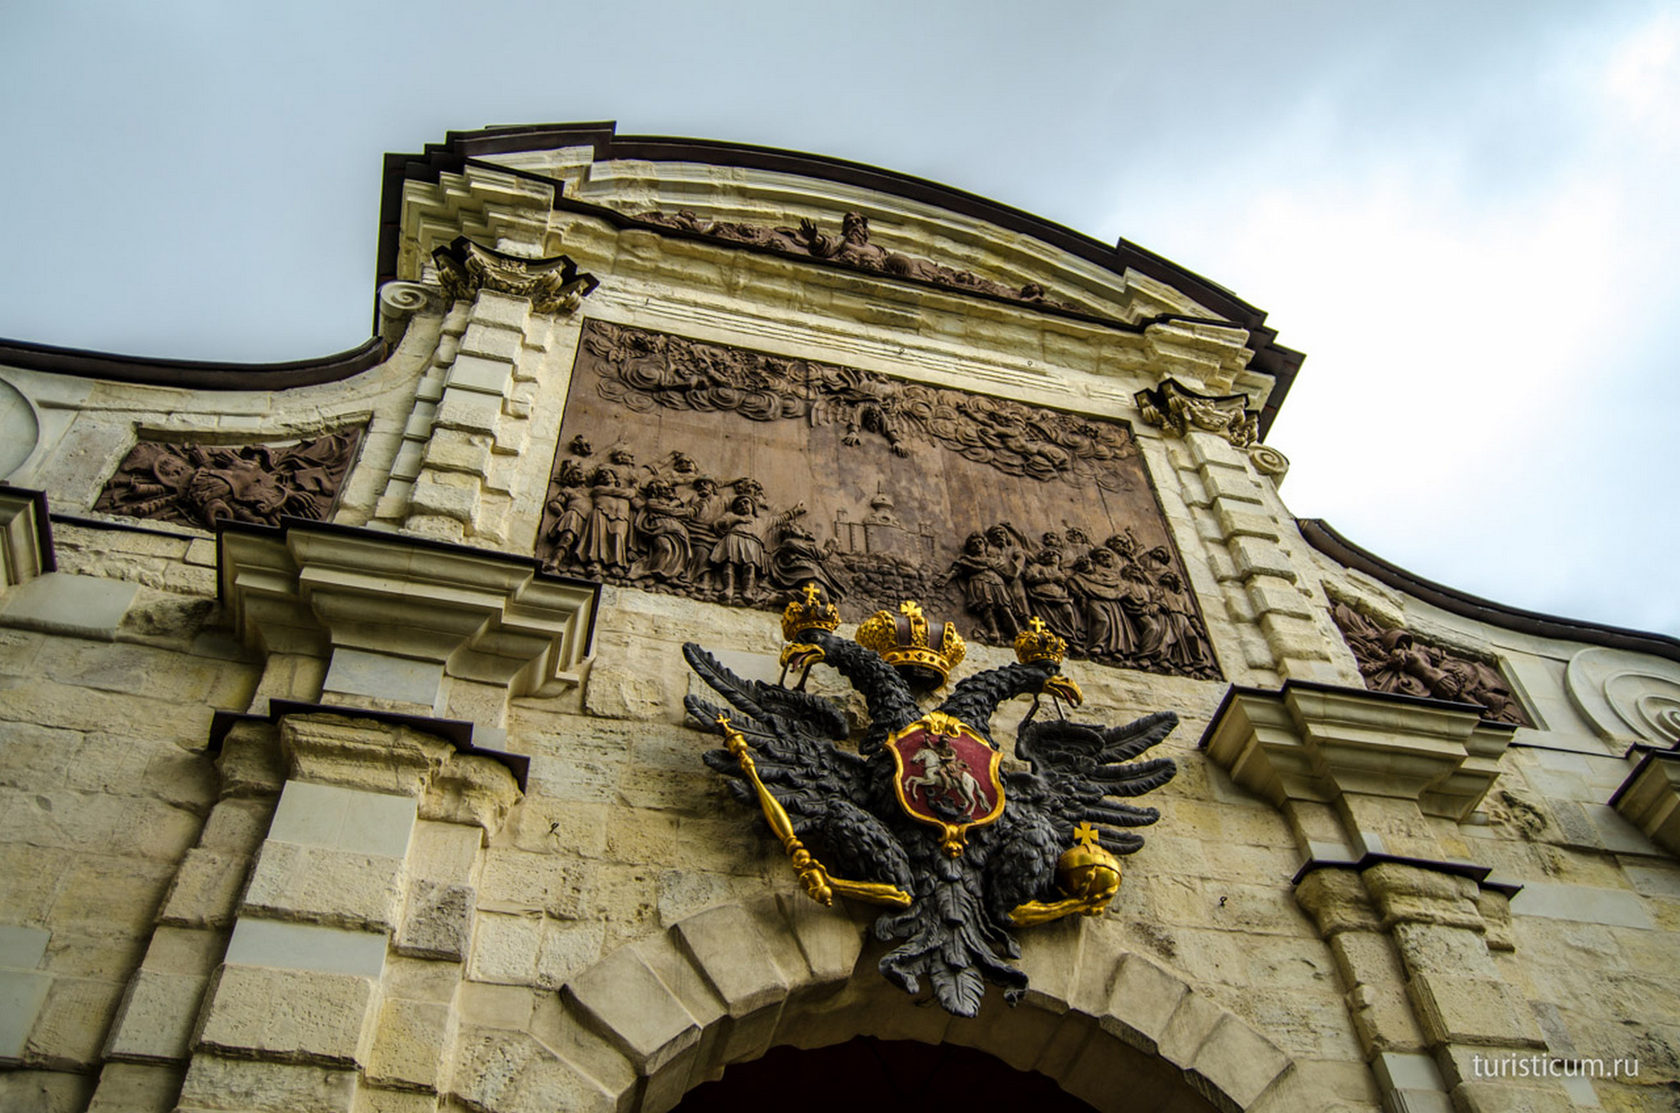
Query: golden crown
x=903 y=640
x=1038 y=643
x=813 y=611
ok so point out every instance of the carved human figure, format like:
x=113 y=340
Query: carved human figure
x=737 y=560
x=705 y=506
x=1048 y=597
x=662 y=526
x=570 y=507
x=1124 y=545
x=1100 y=586
x=796 y=559
x=985 y=593
x=1141 y=604
x=605 y=545
x=1412 y=669
x=851 y=246
x=1078 y=545
x=1007 y=548
x=1479 y=683
x=871 y=405
x=1184 y=645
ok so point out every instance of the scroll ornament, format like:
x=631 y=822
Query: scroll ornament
x=1174 y=406
x=554 y=285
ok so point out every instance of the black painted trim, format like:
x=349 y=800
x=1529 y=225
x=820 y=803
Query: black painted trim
x=456 y=732
x=1326 y=540
x=190 y=374
x=1475 y=873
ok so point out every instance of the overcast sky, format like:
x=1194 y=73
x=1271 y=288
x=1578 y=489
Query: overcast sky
x=1464 y=213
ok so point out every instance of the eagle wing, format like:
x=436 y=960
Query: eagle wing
x=1077 y=773
x=823 y=788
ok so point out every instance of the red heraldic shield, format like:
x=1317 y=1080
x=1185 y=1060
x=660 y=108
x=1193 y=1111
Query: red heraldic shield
x=947 y=776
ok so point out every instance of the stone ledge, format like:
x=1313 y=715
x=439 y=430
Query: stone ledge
x=26 y=546
x=1650 y=798
x=1318 y=742
x=312 y=589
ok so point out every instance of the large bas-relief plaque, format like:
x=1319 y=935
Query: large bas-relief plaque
x=737 y=477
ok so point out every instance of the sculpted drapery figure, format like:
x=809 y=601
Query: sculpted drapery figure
x=986 y=592
x=737 y=560
x=606 y=534
x=662 y=522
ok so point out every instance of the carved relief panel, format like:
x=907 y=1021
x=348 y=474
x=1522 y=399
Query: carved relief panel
x=737 y=477
x=200 y=485
x=1391 y=659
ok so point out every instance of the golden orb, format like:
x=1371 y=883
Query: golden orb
x=1087 y=871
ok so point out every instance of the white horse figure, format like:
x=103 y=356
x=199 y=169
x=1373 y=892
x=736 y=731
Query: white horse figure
x=945 y=774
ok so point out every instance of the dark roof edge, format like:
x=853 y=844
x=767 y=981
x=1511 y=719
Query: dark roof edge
x=189 y=373
x=1326 y=540
x=459 y=147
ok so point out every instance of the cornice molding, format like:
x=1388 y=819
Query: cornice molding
x=1317 y=742
x=314 y=589
x=461 y=150
x=191 y=374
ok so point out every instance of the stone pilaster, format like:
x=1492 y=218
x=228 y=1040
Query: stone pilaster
x=1262 y=582
x=1365 y=779
x=366 y=865
x=481 y=411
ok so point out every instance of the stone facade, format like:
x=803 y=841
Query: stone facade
x=367 y=809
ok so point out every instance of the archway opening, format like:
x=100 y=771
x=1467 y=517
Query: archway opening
x=879 y=1076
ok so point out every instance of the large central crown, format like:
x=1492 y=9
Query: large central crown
x=903 y=640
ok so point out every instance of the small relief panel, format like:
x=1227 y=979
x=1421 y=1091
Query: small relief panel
x=737 y=477
x=201 y=485
x=851 y=248
x=1392 y=659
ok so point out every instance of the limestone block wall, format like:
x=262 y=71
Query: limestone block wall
x=107 y=691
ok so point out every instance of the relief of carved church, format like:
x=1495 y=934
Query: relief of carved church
x=737 y=477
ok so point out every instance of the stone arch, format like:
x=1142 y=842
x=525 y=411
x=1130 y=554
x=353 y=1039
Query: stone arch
x=654 y=1018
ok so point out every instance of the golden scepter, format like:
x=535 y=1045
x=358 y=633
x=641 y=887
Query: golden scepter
x=818 y=884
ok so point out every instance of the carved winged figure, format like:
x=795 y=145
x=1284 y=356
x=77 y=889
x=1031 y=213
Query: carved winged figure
x=962 y=868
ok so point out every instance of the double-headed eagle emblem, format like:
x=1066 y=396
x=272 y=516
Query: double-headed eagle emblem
x=922 y=817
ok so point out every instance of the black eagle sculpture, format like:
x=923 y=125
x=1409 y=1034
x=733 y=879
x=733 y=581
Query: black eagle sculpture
x=959 y=882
